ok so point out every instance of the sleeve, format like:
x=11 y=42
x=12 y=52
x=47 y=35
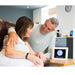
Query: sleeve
x=11 y=29
x=51 y=46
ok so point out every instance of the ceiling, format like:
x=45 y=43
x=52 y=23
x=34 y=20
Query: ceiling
x=26 y=7
x=30 y=7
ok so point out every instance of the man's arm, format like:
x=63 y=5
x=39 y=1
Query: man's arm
x=10 y=52
x=50 y=47
x=12 y=37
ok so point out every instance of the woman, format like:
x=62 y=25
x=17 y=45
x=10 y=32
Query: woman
x=22 y=49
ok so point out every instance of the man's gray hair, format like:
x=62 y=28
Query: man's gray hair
x=54 y=21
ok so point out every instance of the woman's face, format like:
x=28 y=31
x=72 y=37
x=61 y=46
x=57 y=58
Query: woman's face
x=29 y=30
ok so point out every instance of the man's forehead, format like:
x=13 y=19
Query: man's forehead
x=48 y=21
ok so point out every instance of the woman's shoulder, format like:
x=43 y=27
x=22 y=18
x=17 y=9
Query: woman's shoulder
x=20 y=41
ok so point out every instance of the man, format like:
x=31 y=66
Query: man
x=43 y=36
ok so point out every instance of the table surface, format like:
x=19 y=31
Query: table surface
x=62 y=62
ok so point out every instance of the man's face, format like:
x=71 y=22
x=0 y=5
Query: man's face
x=47 y=27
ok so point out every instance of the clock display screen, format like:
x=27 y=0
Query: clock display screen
x=59 y=53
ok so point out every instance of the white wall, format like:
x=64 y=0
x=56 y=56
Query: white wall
x=37 y=16
x=65 y=20
x=44 y=14
x=74 y=33
x=40 y=15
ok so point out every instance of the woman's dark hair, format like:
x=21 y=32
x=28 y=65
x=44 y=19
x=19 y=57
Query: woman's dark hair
x=21 y=27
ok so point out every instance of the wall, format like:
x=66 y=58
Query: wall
x=37 y=16
x=9 y=13
x=44 y=14
x=40 y=15
x=65 y=20
x=74 y=33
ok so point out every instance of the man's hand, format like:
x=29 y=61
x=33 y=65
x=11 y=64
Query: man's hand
x=35 y=59
x=12 y=38
x=41 y=56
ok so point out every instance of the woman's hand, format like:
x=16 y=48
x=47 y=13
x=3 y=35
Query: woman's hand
x=13 y=39
x=41 y=56
x=35 y=59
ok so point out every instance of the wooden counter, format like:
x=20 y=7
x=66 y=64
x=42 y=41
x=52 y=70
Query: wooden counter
x=62 y=62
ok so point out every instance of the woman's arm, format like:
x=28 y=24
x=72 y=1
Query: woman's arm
x=39 y=54
x=30 y=49
x=10 y=52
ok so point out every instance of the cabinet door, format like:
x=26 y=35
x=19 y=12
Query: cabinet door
x=61 y=42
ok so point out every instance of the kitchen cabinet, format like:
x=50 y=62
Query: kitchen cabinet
x=65 y=42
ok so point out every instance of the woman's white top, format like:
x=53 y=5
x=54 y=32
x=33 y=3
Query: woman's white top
x=20 y=46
